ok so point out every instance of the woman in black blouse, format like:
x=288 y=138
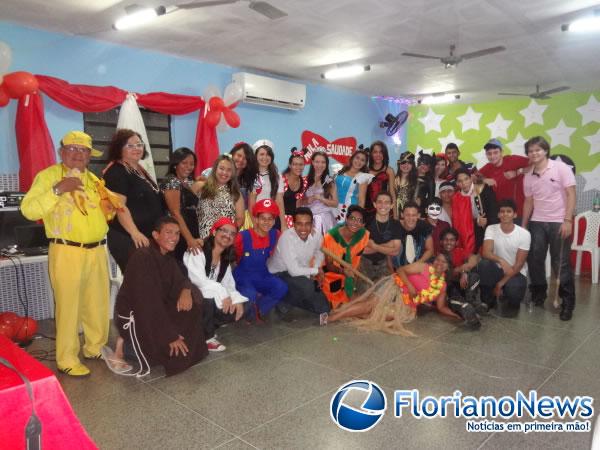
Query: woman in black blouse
x=181 y=197
x=125 y=176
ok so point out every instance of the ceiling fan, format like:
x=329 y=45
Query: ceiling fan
x=542 y=95
x=452 y=60
x=264 y=8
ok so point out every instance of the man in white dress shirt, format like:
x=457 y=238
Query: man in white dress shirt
x=297 y=261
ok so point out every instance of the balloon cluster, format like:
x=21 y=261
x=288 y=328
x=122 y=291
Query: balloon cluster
x=15 y=84
x=220 y=112
x=15 y=327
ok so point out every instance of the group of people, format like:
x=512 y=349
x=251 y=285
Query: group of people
x=367 y=243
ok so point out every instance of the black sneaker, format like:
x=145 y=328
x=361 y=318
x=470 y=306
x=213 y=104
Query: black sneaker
x=566 y=314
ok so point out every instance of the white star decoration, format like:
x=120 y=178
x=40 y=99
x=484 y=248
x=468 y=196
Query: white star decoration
x=469 y=120
x=594 y=141
x=450 y=138
x=431 y=121
x=533 y=113
x=561 y=135
x=499 y=127
x=517 y=145
x=590 y=112
x=480 y=158
x=592 y=179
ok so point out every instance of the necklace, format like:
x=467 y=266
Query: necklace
x=387 y=225
x=141 y=173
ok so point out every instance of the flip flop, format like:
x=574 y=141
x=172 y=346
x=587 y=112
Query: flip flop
x=115 y=365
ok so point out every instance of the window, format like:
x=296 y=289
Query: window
x=101 y=126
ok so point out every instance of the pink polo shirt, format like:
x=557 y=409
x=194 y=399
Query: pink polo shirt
x=548 y=191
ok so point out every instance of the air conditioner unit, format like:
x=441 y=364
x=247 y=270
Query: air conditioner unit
x=267 y=91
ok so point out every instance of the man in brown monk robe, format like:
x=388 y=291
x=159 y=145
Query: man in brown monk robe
x=165 y=305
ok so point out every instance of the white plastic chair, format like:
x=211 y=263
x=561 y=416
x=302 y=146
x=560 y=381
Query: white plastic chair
x=589 y=243
x=115 y=278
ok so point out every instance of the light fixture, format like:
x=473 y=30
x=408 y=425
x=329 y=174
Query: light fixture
x=438 y=98
x=345 y=71
x=584 y=25
x=137 y=16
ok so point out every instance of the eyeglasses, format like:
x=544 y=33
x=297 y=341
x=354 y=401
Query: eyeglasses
x=72 y=149
x=354 y=219
x=134 y=146
x=404 y=162
x=230 y=233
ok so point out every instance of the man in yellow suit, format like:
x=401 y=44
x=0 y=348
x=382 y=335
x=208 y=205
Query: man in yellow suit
x=68 y=198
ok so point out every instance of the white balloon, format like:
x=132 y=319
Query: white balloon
x=222 y=125
x=5 y=57
x=211 y=91
x=233 y=94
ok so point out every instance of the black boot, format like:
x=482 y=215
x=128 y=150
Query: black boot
x=472 y=321
x=538 y=294
x=566 y=310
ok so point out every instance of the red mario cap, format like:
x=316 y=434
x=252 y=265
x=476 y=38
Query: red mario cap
x=222 y=222
x=265 y=206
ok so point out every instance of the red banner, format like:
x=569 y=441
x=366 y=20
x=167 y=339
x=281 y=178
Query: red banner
x=341 y=149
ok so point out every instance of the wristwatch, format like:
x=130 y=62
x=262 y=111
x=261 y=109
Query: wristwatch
x=55 y=189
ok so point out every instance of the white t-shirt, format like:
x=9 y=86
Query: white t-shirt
x=507 y=245
x=262 y=186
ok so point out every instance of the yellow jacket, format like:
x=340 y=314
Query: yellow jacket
x=72 y=217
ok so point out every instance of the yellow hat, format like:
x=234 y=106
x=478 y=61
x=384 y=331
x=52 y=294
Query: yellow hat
x=80 y=138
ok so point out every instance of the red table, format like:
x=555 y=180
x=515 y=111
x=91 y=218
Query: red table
x=60 y=426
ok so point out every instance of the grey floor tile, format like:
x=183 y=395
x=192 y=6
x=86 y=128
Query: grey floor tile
x=440 y=369
x=247 y=388
x=235 y=444
x=310 y=426
x=519 y=340
x=146 y=419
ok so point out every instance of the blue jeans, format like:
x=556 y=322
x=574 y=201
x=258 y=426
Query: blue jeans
x=544 y=236
x=512 y=293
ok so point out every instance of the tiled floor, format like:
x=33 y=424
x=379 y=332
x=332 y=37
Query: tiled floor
x=271 y=389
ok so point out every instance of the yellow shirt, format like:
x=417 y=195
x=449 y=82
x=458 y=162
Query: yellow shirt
x=60 y=213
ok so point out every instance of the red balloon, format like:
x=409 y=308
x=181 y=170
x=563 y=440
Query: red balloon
x=25 y=329
x=4 y=98
x=7 y=329
x=231 y=117
x=212 y=118
x=9 y=317
x=216 y=104
x=19 y=84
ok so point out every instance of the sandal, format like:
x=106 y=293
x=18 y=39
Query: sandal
x=323 y=319
x=115 y=364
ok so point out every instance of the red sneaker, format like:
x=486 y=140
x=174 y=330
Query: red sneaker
x=215 y=346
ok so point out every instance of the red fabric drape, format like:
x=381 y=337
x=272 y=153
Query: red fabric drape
x=36 y=150
x=462 y=221
x=34 y=144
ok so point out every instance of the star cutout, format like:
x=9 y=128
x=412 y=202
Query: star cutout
x=450 y=138
x=561 y=135
x=517 y=146
x=594 y=141
x=499 y=127
x=533 y=113
x=480 y=158
x=431 y=121
x=558 y=158
x=590 y=112
x=470 y=120
x=592 y=179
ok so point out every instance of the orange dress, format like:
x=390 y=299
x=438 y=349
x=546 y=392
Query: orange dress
x=337 y=287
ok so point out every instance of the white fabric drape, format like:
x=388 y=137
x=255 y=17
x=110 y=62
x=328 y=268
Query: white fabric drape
x=130 y=117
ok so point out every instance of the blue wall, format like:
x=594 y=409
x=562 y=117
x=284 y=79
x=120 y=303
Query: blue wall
x=330 y=112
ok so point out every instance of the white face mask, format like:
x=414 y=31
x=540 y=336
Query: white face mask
x=434 y=211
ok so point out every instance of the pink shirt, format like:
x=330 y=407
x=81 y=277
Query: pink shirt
x=549 y=191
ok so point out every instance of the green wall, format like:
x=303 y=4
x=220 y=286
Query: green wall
x=570 y=122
